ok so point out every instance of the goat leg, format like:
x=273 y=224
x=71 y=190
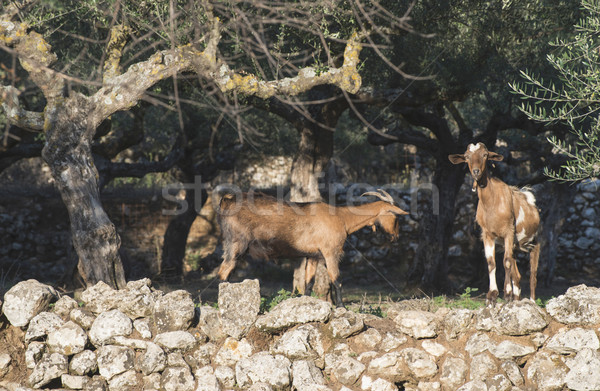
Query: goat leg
x=336 y=293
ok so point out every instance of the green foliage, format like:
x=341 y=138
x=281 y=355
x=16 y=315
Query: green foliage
x=465 y=300
x=268 y=303
x=571 y=97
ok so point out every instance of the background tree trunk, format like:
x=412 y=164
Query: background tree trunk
x=430 y=267
x=314 y=152
x=68 y=153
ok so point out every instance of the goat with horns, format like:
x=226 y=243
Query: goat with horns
x=266 y=228
x=503 y=212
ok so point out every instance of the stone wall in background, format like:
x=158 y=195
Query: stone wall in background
x=143 y=338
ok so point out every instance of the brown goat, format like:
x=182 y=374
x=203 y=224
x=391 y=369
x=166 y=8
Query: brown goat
x=266 y=228
x=503 y=212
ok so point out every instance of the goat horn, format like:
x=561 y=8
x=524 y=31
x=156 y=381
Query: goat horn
x=382 y=194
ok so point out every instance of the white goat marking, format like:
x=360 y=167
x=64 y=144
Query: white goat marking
x=493 y=285
x=521 y=235
x=517 y=291
x=520 y=216
x=530 y=197
x=508 y=289
x=489 y=251
x=473 y=147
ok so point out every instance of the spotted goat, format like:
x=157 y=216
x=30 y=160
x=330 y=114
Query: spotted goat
x=503 y=212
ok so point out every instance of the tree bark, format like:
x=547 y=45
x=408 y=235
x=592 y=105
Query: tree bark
x=68 y=154
x=431 y=259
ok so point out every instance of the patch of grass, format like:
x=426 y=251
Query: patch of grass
x=268 y=303
x=464 y=300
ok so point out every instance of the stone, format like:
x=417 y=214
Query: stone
x=417 y=324
x=33 y=354
x=513 y=372
x=369 y=338
x=510 y=350
x=177 y=379
x=100 y=298
x=113 y=360
x=64 y=306
x=176 y=340
x=201 y=356
x=345 y=323
x=453 y=373
x=521 y=317
x=547 y=371
x=175 y=359
x=456 y=322
x=567 y=341
x=210 y=323
x=25 y=300
x=498 y=382
x=142 y=326
x=74 y=382
x=390 y=366
x=108 y=325
x=206 y=380
x=152 y=360
x=134 y=343
x=173 y=312
x=433 y=348
x=420 y=364
x=69 y=339
x=225 y=376
x=233 y=351
x=263 y=367
x=83 y=363
x=239 y=305
x=126 y=381
x=96 y=383
x=51 y=366
x=298 y=310
x=151 y=382
x=579 y=305
x=367 y=383
x=584 y=371
x=305 y=373
x=82 y=317
x=346 y=370
x=478 y=343
x=485 y=318
x=42 y=324
x=302 y=342
x=392 y=341
x=483 y=366
x=475 y=385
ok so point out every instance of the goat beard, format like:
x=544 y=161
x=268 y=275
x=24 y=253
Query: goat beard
x=474 y=189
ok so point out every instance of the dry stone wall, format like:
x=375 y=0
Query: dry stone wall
x=140 y=338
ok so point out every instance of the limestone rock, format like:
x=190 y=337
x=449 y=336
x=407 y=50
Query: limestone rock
x=456 y=322
x=206 y=380
x=579 y=305
x=239 y=305
x=210 y=323
x=113 y=360
x=420 y=364
x=345 y=323
x=417 y=324
x=42 y=324
x=176 y=340
x=126 y=381
x=69 y=339
x=64 y=306
x=305 y=373
x=177 y=379
x=225 y=376
x=173 y=311
x=303 y=342
x=263 y=367
x=83 y=363
x=519 y=318
x=25 y=300
x=33 y=354
x=567 y=341
x=453 y=373
x=510 y=350
x=51 y=366
x=152 y=360
x=109 y=325
x=82 y=317
x=390 y=366
x=294 y=311
x=547 y=371
x=585 y=370
x=369 y=339
x=233 y=351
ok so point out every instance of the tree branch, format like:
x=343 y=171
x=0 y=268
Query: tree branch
x=17 y=116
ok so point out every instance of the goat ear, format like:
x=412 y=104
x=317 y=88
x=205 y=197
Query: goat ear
x=457 y=158
x=495 y=156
